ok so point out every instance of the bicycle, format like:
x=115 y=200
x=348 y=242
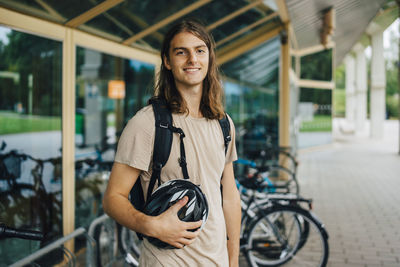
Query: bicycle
x=25 y=192
x=279 y=178
x=91 y=181
x=276 y=229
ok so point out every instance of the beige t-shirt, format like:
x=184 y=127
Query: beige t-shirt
x=205 y=156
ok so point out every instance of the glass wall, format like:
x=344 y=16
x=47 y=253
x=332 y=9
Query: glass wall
x=315 y=109
x=315 y=105
x=30 y=139
x=109 y=91
x=254 y=111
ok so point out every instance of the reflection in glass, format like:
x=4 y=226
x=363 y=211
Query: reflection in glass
x=109 y=91
x=254 y=111
x=315 y=111
x=30 y=139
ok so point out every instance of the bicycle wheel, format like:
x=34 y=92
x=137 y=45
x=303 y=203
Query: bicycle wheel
x=130 y=246
x=277 y=237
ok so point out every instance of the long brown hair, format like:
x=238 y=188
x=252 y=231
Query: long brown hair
x=211 y=105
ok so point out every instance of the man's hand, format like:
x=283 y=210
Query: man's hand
x=170 y=229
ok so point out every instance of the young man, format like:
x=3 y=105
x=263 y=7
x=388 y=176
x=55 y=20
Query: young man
x=189 y=81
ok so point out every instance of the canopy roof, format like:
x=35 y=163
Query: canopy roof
x=246 y=31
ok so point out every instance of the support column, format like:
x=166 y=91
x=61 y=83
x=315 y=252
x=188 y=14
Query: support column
x=361 y=88
x=378 y=86
x=284 y=99
x=284 y=92
x=68 y=136
x=350 y=89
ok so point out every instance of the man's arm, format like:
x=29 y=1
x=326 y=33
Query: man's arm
x=232 y=213
x=166 y=226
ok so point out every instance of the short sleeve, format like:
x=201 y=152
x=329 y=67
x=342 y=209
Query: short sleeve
x=135 y=146
x=231 y=154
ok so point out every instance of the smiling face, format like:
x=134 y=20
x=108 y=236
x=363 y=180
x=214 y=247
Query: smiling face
x=188 y=61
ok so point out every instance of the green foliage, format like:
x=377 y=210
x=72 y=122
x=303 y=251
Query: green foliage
x=392 y=87
x=392 y=106
x=36 y=64
x=316 y=96
x=317 y=66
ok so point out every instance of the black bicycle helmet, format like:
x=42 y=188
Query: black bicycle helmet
x=168 y=194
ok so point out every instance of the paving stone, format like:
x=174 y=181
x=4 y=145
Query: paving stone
x=355 y=183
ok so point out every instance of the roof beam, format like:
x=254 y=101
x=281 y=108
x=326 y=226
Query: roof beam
x=316 y=84
x=285 y=18
x=245 y=29
x=93 y=12
x=233 y=15
x=312 y=49
x=141 y=23
x=50 y=10
x=165 y=21
x=283 y=11
x=246 y=43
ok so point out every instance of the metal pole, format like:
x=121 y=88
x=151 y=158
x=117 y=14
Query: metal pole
x=398 y=70
x=41 y=252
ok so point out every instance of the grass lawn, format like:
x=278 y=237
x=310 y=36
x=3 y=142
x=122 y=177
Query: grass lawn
x=321 y=123
x=11 y=123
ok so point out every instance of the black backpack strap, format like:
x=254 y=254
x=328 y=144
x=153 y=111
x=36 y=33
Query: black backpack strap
x=226 y=131
x=182 y=159
x=162 y=140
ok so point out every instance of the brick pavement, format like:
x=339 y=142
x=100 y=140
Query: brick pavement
x=355 y=184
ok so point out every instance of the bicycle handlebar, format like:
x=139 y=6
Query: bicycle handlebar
x=9 y=232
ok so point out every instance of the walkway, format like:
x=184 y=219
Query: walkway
x=355 y=184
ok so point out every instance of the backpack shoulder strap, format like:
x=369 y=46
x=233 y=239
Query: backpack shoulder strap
x=162 y=140
x=226 y=131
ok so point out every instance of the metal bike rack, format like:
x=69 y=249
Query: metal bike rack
x=91 y=256
x=56 y=245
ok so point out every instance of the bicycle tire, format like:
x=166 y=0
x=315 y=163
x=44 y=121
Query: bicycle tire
x=278 y=244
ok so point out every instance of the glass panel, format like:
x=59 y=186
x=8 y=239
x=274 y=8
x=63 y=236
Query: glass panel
x=110 y=90
x=236 y=24
x=216 y=10
x=30 y=139
x=317 y=66
x=72 y=8
x=223 y=34
x=259 y=66
x=255 y=114
x=59 y=11
x=156 y=10
x=119 y=21
x=315 y=111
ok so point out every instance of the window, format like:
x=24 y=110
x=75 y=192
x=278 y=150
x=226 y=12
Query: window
x=30 y=138
x=109 y=91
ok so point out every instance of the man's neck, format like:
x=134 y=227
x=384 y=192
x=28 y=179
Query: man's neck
x=192 y=97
